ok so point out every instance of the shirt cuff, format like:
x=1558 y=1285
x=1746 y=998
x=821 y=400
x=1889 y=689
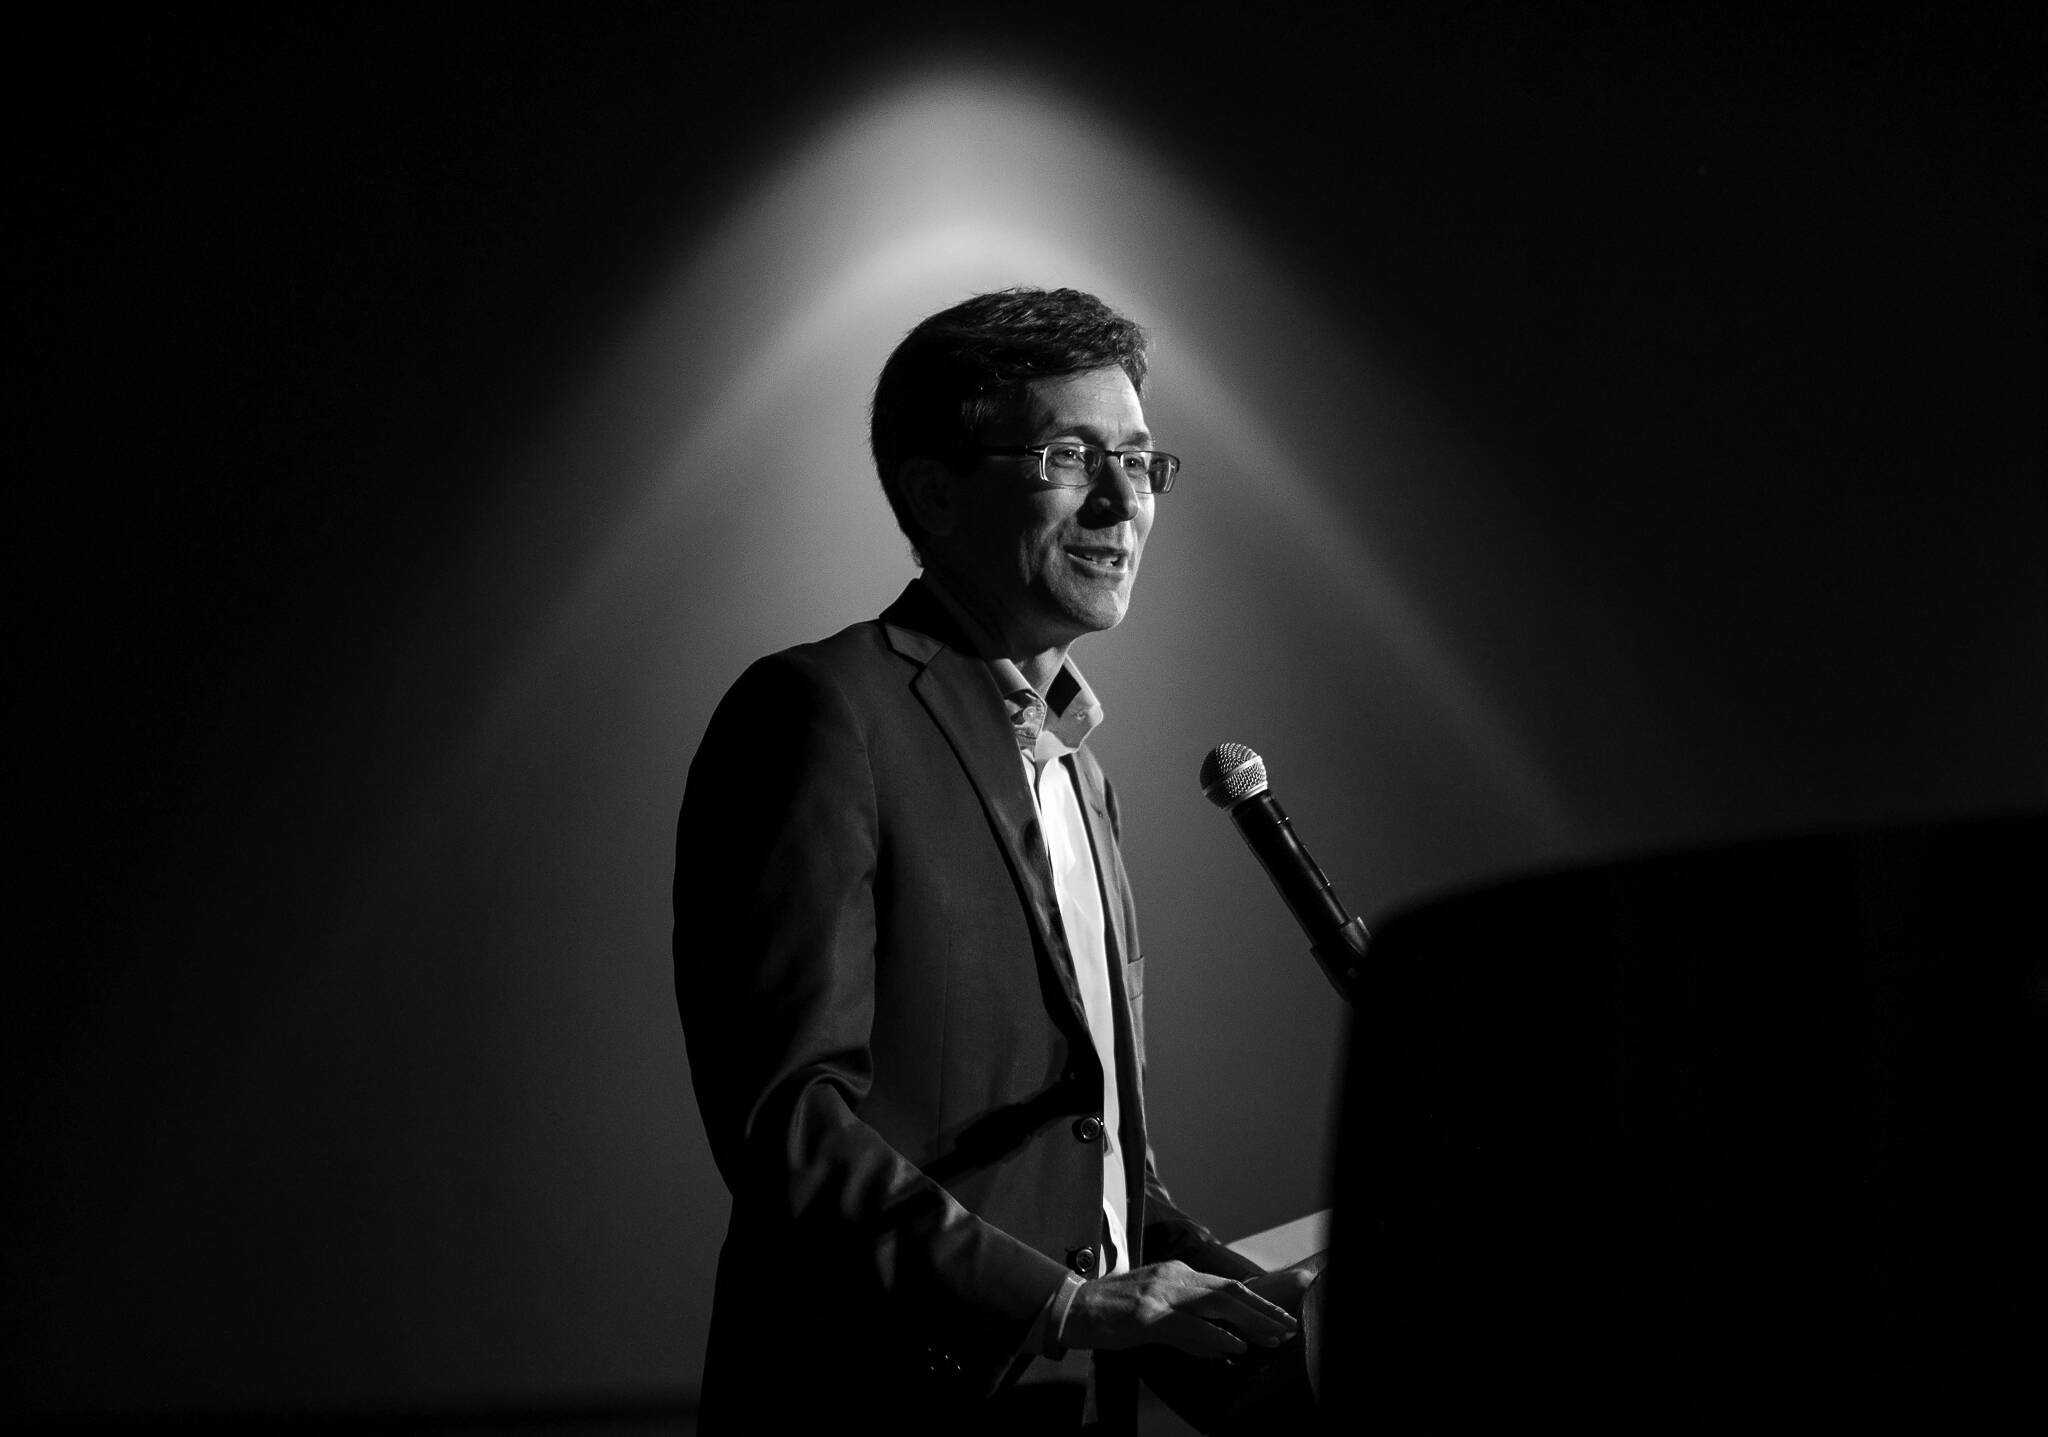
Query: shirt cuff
x=1047 y=1333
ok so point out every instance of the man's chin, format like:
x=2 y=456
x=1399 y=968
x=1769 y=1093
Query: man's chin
x=1095 y=618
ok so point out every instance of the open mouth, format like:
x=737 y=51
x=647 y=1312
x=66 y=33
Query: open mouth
x=1107 y=560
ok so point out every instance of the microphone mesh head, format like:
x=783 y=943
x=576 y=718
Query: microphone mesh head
x=1231 y=774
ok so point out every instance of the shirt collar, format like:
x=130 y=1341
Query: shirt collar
x=1047 y=725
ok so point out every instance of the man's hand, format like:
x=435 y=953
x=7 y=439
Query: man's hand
x=1171 y=1303
x=1288 y=1285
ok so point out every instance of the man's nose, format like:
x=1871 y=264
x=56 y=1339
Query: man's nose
x=1114 y=493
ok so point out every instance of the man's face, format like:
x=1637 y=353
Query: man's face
x=1046 y=563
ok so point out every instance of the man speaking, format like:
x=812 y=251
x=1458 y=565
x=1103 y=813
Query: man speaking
x=907 y=957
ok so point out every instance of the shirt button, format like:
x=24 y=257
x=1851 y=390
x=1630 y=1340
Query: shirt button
x=1088 y=1130
x=1082 y=1260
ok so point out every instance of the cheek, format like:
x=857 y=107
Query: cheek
x=1042 y=534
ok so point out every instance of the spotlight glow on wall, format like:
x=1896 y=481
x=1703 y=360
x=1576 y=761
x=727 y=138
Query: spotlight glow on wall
x=726 y=435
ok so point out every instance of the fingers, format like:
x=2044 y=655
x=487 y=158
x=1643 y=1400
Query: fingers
x=1225 y=1319
x=1256 y=1317
x=1171 y=1303
x=1286 y=1286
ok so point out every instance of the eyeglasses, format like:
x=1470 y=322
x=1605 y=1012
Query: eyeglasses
x=1074 y=466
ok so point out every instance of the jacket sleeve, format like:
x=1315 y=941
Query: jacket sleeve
x=775 y=949
x=1172 y=1234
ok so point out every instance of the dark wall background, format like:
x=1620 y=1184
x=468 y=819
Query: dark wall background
x=1648 y=450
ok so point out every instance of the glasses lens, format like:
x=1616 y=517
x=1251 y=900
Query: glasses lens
x=1149 y=471
x=1070 y=463
x=1076 y=465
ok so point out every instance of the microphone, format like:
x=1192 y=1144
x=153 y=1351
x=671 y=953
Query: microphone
x=1234 y=779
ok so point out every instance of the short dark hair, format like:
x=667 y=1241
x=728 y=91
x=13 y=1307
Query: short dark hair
x=955 y=372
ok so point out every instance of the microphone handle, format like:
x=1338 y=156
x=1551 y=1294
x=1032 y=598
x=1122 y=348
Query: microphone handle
x=1270 y=835
x=1335 y=938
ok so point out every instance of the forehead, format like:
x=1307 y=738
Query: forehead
x=1098 y=404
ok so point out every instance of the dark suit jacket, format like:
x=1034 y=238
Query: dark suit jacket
x=887 y=1042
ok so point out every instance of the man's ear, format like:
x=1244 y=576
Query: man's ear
x=931 y=492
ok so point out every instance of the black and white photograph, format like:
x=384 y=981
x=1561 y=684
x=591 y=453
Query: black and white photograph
x=1138 y=718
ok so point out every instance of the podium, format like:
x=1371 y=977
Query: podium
x=1754 y=1132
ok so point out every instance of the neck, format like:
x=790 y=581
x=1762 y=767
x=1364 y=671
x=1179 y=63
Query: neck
x=1041 y=669
x=995 y=639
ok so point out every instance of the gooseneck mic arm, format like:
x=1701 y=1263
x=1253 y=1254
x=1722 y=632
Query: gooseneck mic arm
x=1234 y=779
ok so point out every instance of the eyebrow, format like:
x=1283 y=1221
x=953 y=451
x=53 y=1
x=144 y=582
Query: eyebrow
x=1140 y=438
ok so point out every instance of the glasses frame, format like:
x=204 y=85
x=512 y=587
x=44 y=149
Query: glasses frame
x=1019 y=451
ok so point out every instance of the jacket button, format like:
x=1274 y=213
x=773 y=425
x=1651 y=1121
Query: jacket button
x=1082 y=1260
x=1088 y=1130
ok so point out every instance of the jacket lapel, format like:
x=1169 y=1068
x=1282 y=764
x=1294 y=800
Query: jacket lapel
x=1109 y=859
x=956 y=688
